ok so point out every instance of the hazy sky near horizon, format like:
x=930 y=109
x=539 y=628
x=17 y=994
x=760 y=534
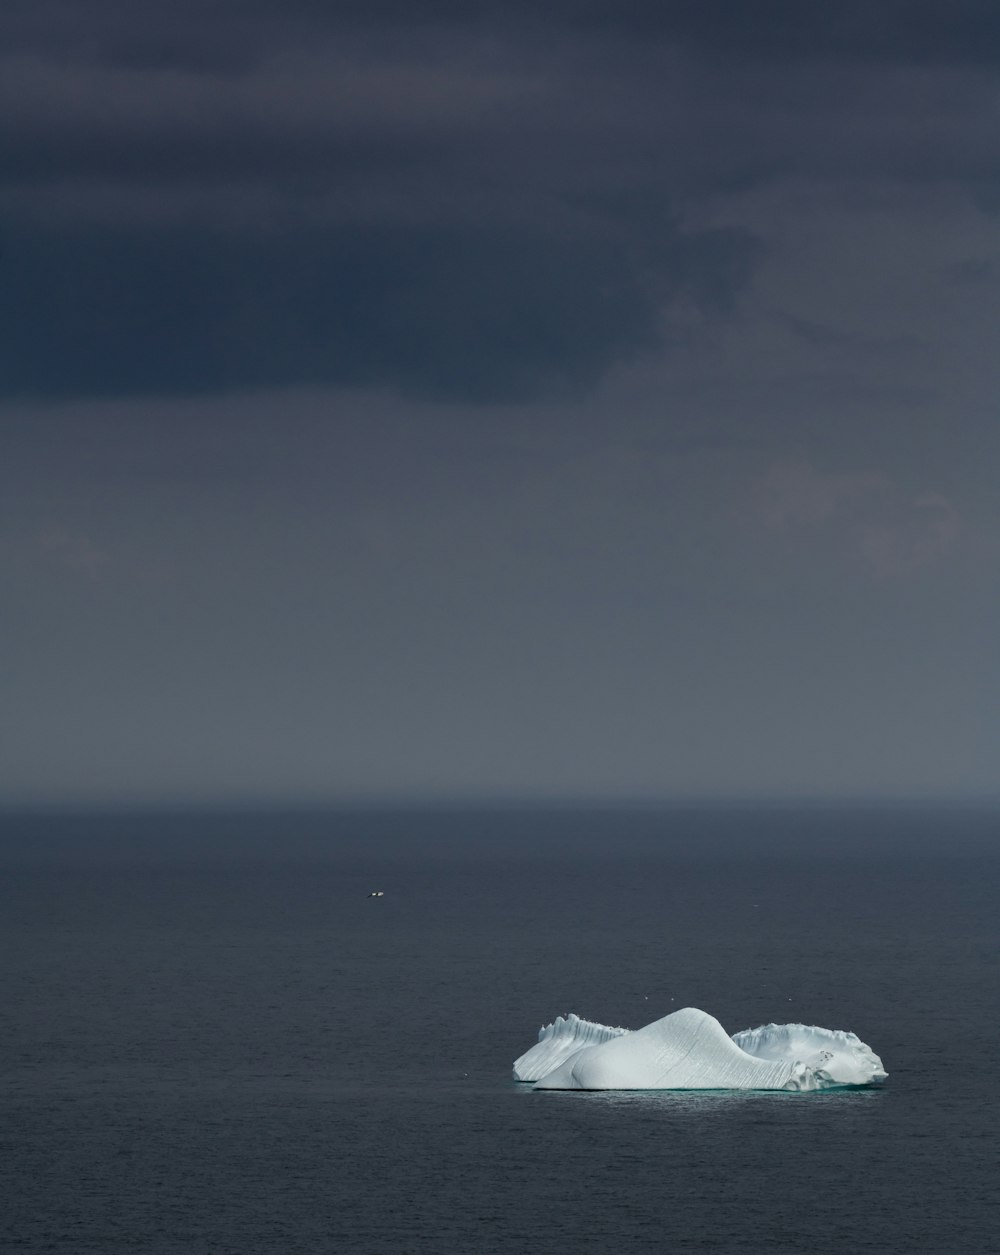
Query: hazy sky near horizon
x=548 y=399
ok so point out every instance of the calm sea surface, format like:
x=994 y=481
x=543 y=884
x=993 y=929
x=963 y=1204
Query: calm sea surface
x=212 y=1040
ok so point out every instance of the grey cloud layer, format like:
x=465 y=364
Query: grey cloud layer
x=484 y=204
x=276 y=600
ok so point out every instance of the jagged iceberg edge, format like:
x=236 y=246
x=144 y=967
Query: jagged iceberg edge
x=560 y=1041
x=836 y=1056
x=690 y=1049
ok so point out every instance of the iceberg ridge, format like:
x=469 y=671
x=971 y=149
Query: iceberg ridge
x=689 y=1049
x=560 y=1041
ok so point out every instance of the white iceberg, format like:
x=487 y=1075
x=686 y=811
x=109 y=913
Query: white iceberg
x=690 y=1049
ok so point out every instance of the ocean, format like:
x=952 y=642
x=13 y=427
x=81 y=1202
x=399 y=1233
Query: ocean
x=212 y=1040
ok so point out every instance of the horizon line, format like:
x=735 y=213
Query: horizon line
x=484 y=802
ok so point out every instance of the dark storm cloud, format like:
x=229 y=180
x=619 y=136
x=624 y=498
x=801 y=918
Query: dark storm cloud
x=736 y=529
x=230 y=32
x=434 y=312
x=479 y=201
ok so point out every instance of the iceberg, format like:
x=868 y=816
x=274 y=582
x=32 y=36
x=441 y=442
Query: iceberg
x=689 y=1049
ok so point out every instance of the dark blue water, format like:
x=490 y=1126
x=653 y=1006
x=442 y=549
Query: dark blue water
x=213 y=1041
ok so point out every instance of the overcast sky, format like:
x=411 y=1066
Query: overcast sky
x=553 y=399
